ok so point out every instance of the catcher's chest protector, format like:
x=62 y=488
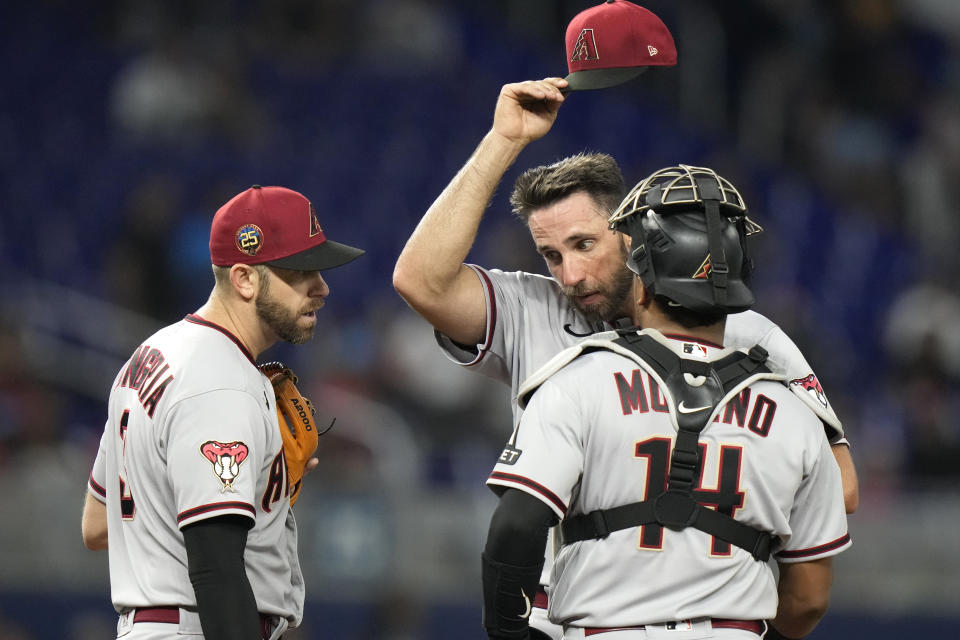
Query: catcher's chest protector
x=697 y=388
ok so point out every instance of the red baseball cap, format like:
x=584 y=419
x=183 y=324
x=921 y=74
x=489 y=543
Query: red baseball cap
x=276 y=226
x=614 y=42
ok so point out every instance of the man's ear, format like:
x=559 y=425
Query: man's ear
x=245 y=280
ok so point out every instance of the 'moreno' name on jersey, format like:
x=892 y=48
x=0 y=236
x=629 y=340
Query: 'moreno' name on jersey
x=642 y=394
x=145 y=368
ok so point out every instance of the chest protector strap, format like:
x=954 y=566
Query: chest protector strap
x=697 y=387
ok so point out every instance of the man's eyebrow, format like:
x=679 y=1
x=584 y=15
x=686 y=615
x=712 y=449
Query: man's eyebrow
x=571 y=239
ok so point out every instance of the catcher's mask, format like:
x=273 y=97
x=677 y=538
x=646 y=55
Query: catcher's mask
x=688 y=228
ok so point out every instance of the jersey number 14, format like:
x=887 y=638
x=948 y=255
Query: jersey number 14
x=725 y=498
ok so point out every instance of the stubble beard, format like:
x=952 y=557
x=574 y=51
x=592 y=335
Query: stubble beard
x=614 y=295
x=282 y=322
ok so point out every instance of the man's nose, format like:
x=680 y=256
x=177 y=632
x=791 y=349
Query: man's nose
x=571 y=272
x=319 y=286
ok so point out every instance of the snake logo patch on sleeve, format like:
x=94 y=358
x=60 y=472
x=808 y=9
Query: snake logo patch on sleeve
x=226 y=459
x=811 y=385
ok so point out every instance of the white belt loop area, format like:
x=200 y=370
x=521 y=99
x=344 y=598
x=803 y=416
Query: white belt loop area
x=676 y=630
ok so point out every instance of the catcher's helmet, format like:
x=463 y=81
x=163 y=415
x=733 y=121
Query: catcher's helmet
x=688 y=227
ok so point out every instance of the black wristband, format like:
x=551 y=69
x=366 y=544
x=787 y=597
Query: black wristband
x=508 y=593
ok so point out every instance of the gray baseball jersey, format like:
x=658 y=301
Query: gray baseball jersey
x=598 y=433
x=192 y=433
x=529 y=321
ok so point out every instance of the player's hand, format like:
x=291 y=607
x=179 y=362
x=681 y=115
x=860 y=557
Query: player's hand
x=526 y=110
x=311 y=465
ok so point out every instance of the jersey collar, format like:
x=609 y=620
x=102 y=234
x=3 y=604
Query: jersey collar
x=195 y=319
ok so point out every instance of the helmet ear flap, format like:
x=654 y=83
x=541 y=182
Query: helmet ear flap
x=639 y=261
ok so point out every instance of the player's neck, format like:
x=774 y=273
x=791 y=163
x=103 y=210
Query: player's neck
x=712 y=333
x=239 y=320
x=649 y=316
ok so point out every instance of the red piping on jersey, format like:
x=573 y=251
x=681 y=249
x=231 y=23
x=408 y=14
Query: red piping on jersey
x=492 y=320
x=683 y=338
x=195 y=319
x=217 y=506
x=813 y=551
x=527 y=482
x=96 y=487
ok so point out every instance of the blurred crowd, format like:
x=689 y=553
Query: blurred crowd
x=124 y=124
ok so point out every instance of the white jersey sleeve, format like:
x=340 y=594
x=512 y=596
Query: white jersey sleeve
x=529 y=321
x=818 y=525
x=199 y=461
x=545 y=456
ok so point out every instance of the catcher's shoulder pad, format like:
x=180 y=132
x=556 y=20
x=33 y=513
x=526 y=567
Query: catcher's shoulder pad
x=534 y=380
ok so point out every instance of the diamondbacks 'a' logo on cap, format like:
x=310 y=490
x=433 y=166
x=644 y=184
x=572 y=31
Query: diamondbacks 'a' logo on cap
x=226 y=459
x=586 y=47
x=249 y=239
x=314 y=223
x=704 y=270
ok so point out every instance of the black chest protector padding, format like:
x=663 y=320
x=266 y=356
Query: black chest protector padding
x=696 y=387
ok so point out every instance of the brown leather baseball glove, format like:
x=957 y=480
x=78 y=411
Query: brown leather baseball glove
x=295 y=417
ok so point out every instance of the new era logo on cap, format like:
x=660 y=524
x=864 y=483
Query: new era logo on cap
x=277 y=226
x=614 y=42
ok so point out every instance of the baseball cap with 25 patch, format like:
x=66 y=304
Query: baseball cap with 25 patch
x=614 y=42
x=275 y=226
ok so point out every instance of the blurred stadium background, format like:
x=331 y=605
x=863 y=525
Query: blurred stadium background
x=125 y=123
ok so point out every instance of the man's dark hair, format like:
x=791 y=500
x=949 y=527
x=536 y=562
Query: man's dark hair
x=685 y=317
x=596 y=174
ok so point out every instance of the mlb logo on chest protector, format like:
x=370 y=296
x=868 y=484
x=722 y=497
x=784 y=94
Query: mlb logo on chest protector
x=693 y=349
